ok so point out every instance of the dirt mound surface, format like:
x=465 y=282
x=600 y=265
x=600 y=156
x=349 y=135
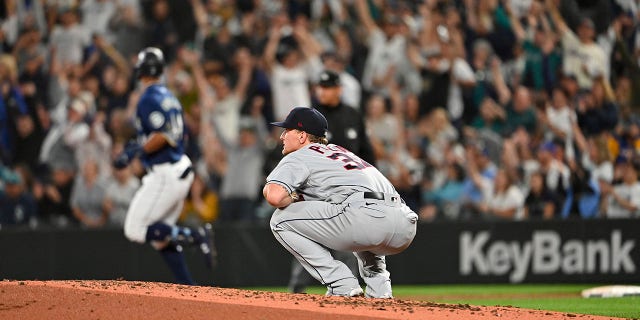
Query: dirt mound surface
x=117 y=300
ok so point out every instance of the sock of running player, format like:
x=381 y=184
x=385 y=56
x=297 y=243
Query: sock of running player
x=172 y=255
x=160 y=231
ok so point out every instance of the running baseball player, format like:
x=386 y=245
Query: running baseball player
x=328 y=198
x=156 y=206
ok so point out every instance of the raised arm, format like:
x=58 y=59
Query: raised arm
x=110 y=51
x=516 y=26
x=504 y=94
x=200 y=17
x=244 y=62
x=395 y=97
x=308 y=44
x=269 y=56
x=556 y=17
x=191 y=59
x=621 y=48
x=362 y=10
x=257 y=104
x=472 y=17
x=472 y=169
x=206 y=100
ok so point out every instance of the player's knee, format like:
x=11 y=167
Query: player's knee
x=134 y=234
x=276 y=220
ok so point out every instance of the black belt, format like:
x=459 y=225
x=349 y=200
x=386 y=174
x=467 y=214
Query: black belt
x=380 y=196
x=374 y=195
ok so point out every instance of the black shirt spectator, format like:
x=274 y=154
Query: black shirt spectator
x=347 y=125
x=17 y=206
x=596 y=111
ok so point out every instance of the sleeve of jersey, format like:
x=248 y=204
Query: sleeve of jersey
x=144 y=108
x=154 y=119
x=290 y=173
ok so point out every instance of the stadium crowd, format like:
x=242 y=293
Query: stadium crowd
x=475 y=109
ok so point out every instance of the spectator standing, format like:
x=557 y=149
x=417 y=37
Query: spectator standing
x=490 y=82
x=435 y=72
x=87 y=196
x=224 y=113
x=441 y=134
x=127 y=28
x=630 y=68
x=582 y=55
x=96 y=15
x=68 y=40
x=559 y=117
x=480 y=172
x=542 y=55
x=161 y=31
x=557 y=175
x=65 y=138
x=240 y=189
x=97 y=146
x=386 y=44
x=118 y=194
x=291 y=58
x=623 y=198
x=31 y=56
x=351 y=89
x=383 y=132
x=539 y=203
x=28 y=142
x=520 y=112
x=54 y=190
x=596 y=157
x=17 y=205
x=12 y=107
x=597 y=111
x=462 y=80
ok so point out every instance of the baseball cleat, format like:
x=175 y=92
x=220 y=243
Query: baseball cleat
x=207 y=245
x=355 y=292
x=384 y=296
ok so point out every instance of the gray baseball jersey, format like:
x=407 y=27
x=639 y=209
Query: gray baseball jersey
x=328 y=173
x=348 y=206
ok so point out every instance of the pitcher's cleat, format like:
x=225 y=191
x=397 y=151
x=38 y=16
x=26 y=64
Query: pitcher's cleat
x=384 y=296
x=206 y=245
x=355 y=292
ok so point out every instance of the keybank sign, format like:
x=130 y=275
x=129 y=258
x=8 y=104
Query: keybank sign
x=545 y=253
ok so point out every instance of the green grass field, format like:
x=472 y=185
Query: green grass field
x=553 y=297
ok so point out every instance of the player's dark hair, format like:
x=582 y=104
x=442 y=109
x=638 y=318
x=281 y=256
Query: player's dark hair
x=316 y=139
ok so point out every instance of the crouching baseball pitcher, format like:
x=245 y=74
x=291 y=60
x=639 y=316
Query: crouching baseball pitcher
x=156 y=206
x=327 y=197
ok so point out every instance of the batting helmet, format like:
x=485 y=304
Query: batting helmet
x=150 y=63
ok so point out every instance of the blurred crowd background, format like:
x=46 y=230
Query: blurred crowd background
x=475 y=109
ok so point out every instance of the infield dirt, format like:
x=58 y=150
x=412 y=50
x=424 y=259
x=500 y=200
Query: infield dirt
x=118 y=300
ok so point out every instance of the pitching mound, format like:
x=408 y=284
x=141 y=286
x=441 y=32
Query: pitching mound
x=146 y=300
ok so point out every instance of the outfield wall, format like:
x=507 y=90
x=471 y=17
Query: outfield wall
x=587 y=251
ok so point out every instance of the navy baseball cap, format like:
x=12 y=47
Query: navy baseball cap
x=329 y=78
x=305 y=119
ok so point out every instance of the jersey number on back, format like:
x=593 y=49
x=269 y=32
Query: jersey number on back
x=176 y=126
x=351 y=163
